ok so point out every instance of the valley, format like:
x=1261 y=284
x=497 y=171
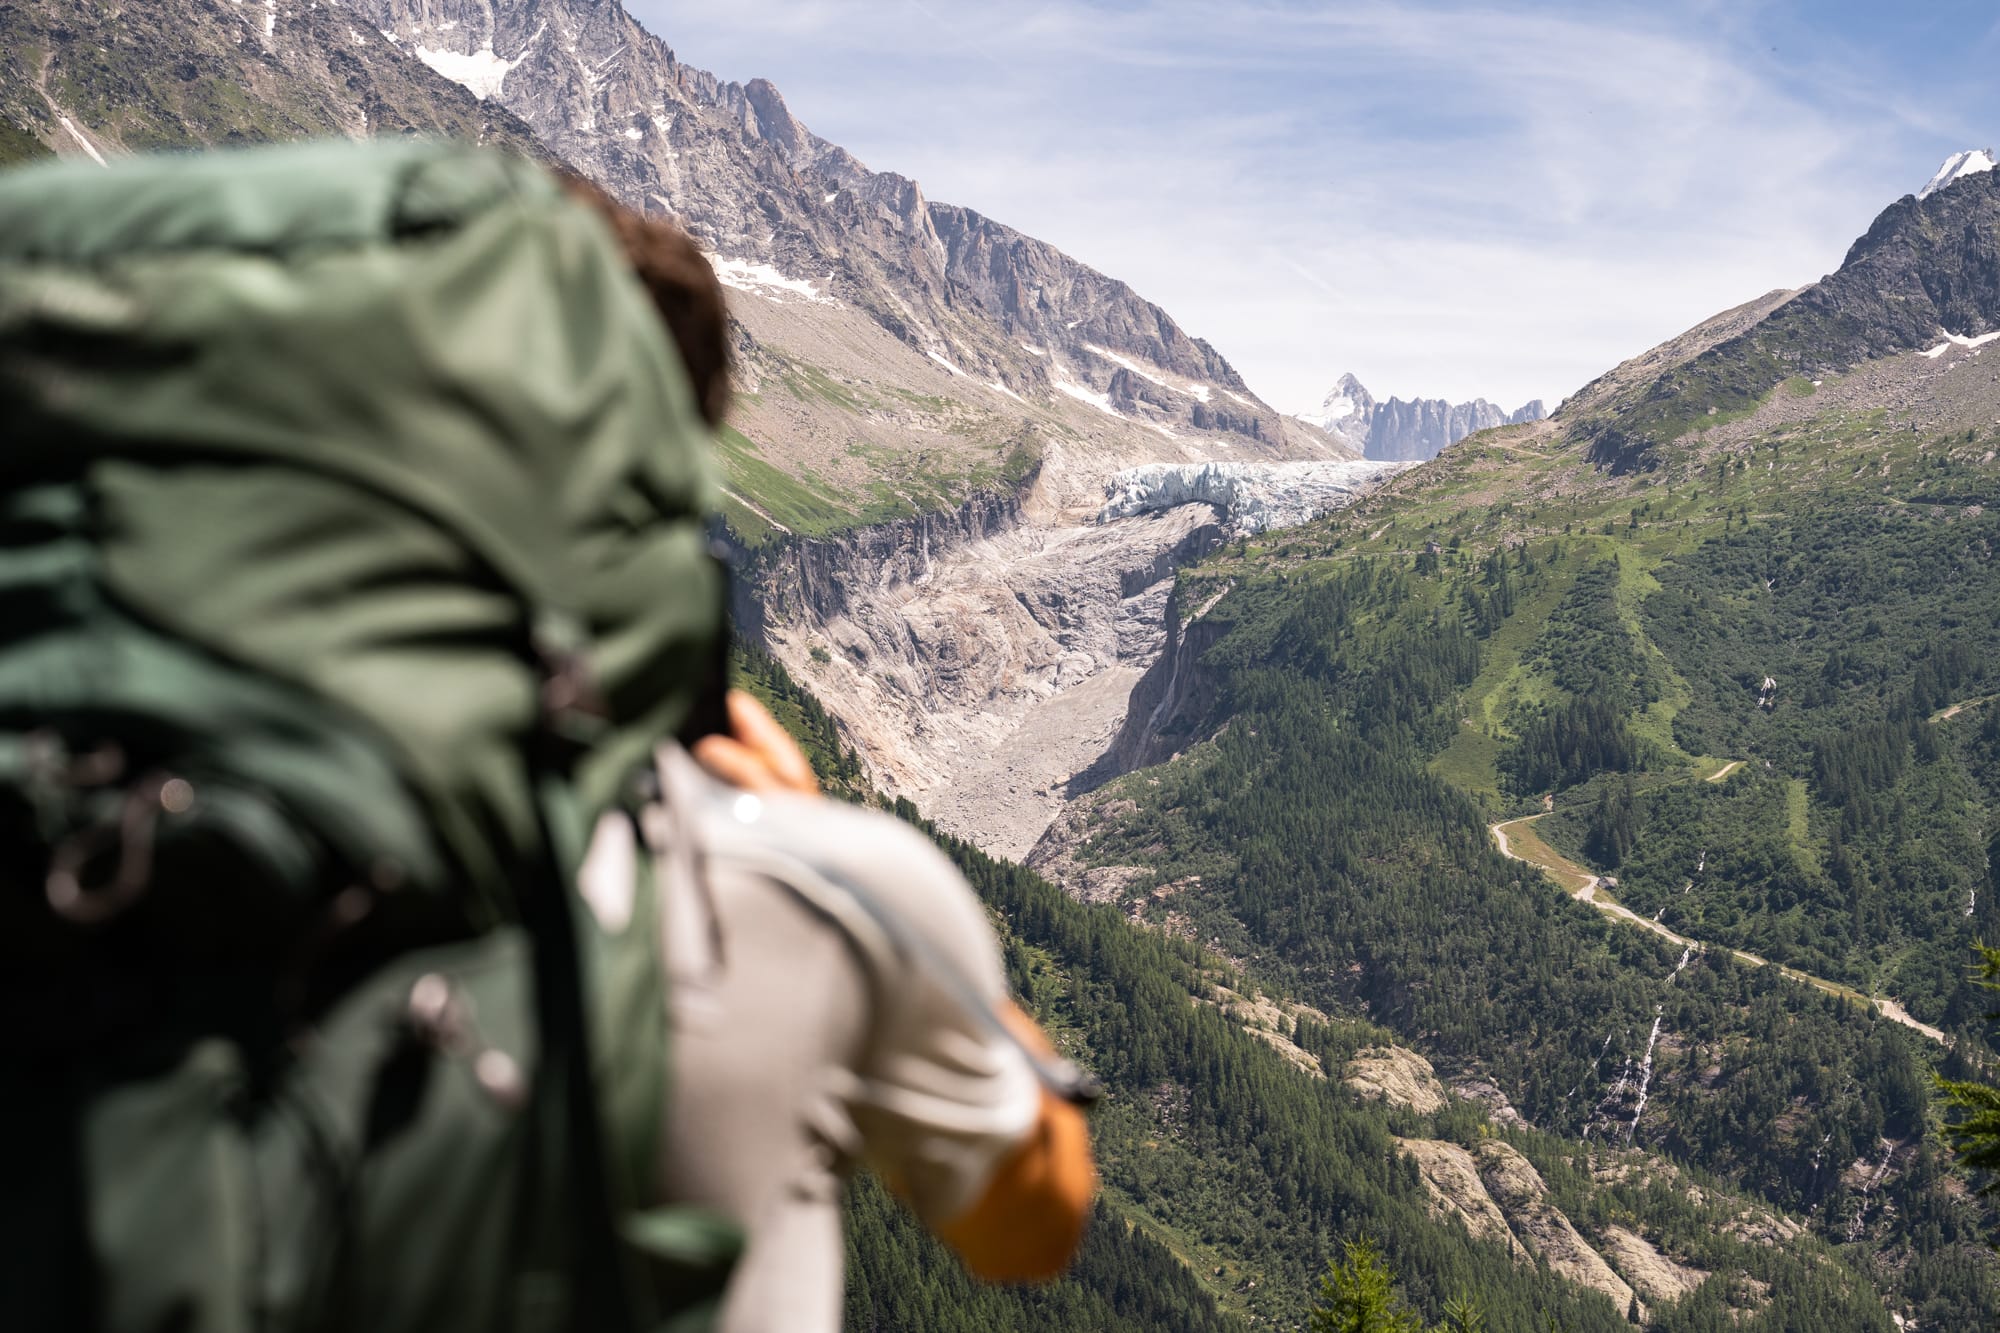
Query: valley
x=1263 y=754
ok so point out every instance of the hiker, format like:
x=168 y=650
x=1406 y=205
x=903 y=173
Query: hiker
x=836 y=991
x=352 y=529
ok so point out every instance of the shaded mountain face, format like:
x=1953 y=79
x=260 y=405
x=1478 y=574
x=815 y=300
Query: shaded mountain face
x=1926 y=272
x=1399 y=431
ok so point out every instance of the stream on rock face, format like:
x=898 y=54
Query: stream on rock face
x=978 y=661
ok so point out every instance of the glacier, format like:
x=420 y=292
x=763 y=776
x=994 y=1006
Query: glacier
x=1254 y=497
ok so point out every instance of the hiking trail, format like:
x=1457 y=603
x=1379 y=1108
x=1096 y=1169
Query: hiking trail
x=1519 y=842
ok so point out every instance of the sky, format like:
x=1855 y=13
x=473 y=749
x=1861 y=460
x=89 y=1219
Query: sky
x=1446 y=200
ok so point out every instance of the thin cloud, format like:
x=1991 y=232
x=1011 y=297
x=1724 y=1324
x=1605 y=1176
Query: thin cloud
x=1446 y=199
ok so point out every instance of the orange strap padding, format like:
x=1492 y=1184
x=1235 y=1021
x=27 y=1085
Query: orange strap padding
x=1027 y=1224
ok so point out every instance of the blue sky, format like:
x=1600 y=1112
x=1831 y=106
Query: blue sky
x=1445 y=199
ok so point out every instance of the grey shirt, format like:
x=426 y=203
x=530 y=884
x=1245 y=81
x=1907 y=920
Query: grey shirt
x=832 y=981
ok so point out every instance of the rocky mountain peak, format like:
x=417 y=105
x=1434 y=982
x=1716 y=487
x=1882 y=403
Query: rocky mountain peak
x=1924 y=274
x=1403 y=432
x=1970 y=162
x=759 y=189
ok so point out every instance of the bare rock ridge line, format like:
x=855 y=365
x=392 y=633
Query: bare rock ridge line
x=779 y=205
x=1413 y=430
x=1586 y=887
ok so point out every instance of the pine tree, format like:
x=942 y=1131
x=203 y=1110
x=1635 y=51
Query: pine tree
x=1464 y=1314
x=1977 y=1136
x=1358 y=1295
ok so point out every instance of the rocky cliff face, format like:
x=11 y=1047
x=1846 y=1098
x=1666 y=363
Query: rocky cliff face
x=979 y=661
x=1412 y=430
x=733 y=163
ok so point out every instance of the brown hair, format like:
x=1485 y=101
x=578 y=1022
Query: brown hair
x=683 y=288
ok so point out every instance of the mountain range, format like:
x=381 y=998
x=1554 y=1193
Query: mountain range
x=1400 y=431
x=1555 y=862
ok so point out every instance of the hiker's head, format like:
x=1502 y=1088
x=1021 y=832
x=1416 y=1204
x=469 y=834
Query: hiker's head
x=683 y=288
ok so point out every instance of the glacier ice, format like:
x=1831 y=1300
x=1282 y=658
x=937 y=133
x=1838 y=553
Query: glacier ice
x=1254 y=496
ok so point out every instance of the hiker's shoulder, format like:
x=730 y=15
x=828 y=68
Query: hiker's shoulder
x=901 y=869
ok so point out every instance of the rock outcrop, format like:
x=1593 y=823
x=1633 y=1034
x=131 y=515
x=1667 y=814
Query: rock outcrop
x=1657 y=1277
x=1456 y=1193
x=1397 y=1076
x=1498 y=1196
x=1540 y=1226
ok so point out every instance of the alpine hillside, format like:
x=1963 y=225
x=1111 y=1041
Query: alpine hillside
x=1641 y=760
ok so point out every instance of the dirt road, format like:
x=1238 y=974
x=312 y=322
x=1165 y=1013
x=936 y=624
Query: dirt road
x=1519 y=842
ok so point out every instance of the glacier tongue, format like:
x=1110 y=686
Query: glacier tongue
x=1968 y=163
x=1255 y=496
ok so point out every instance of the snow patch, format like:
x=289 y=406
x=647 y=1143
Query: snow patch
x=86 y=144
x=1968 y=163
x=829 y=198
x=1199 y=392
x=634 y=133
x=270 y=18
x=1033 y=350
x=1256 y=497
x=998 y=387
x=763 y=280
x=1100 y=401
x=945 y=363
x=1952 y=340
x=481 y=72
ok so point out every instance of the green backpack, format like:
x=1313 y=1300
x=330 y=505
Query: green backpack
x=352 y=554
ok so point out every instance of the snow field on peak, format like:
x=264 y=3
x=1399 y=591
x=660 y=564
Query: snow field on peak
x=1968 y=163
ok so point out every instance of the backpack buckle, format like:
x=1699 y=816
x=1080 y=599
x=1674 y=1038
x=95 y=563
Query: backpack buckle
x=93 y=904
x=573 y=707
